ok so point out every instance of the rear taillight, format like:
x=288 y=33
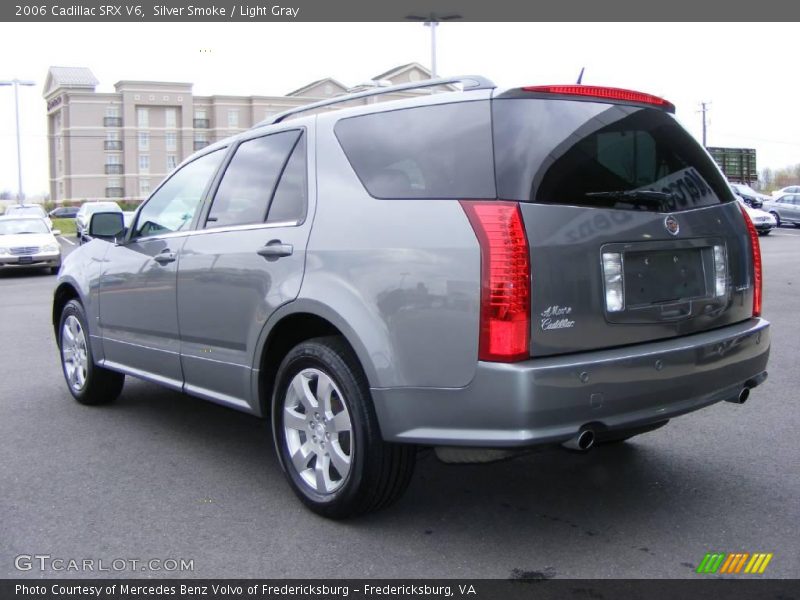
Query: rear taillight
x=755 y=251
x=505 y=313
x=604 y=93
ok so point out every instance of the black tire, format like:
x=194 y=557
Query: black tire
x=379 y=472
x=777 y=219
x=765 y=232
x=100 y=385
x=618 y=437
x=54 y=270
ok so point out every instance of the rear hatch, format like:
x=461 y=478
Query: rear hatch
x=634 y=234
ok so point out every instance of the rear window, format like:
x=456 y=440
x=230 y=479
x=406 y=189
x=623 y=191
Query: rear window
x=590 y=154
x=440 y=151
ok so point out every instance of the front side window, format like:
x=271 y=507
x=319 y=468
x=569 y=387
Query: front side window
x=246 y=188
x=175 y=203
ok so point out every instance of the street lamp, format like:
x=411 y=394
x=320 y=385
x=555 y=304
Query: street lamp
x=432 y=20
x=16 y=83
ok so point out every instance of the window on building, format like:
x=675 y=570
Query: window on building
x=112 y=110
x=233 y=118
x=59 y=144
x=113 y=159
x=170 y=118
x=112 y=136
x=172 y=162
x=144 y=187
x=60 y=190
x=144 y=163
x=144 y=142
x=200 y=113
x=57 y=121
x=60 y=166
x=171 y=140
x=114 y=182
x=143 y=117
x=247 y=186
x=173 y=205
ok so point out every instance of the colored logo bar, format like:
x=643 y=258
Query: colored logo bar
x=734 y=563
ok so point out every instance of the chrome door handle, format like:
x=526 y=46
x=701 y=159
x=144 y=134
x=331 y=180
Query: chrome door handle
x=275 y=249
x=165 y=257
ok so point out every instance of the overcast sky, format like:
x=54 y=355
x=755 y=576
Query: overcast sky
x=746 y=71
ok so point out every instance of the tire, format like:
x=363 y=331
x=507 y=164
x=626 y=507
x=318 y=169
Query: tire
x=53 y=270
x=618 y=437
x=777 y=219
x=766 y=232
x=88 y=383
x=358 y=472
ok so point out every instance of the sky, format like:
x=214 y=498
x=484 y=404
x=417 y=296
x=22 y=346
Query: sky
x=745 y=70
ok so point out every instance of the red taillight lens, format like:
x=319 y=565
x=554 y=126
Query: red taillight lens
x=607 y=93
x=505 y=318
x=755 y=250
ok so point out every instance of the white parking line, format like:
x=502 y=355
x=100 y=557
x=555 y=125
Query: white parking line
x=62 y=238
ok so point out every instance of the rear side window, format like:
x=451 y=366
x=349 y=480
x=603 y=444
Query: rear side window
x=289 y=202
x=440 y=151
x=246 y=188
x=590 y=154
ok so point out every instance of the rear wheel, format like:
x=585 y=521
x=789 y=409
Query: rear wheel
x=87 y=382
x=327 y=437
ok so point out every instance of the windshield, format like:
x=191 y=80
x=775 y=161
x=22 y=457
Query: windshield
x=25 y=210
x=600 y=155
x=18 y=226
x=101 y=207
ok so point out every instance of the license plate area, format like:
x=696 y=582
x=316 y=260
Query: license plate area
x=666 y=281
x=25 y=260
x=658 y=276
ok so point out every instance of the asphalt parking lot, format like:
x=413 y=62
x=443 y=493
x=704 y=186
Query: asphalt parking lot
x=161 y=475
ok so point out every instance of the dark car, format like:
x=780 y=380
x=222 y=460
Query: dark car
x=64 y=212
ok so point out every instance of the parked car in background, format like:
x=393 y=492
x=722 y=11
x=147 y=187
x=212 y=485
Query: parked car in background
x=748 y=194
x=30 y=210
x=792 y=189
x=483 y=269
x=28 y=241
x=763 y=221
x=785 y=209
x=85 y=213
x=64 y=212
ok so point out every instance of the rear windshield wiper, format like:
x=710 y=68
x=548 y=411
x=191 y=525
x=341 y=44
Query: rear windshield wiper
x=650 y=196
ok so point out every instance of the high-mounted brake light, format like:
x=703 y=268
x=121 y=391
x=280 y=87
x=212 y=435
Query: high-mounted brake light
x=755 y=252
x=505 y=311
x=606 y=93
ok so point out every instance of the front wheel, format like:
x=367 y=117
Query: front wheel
x=87 y=382
x=327 y=437
x=777 y=219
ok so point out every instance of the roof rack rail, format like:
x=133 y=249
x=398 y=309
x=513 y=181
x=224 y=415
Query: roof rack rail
x=470 y=82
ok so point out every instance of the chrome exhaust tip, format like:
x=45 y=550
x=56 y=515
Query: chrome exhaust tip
x=742 y=397
x=581 y=442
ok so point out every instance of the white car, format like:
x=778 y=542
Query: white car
x=792 y=189
x=28 y=210
x=85 y=213
x=28 y=241
x=763 y=221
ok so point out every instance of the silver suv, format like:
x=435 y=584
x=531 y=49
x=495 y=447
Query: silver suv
x=481 y=271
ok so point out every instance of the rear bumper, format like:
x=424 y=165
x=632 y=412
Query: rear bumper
x=548 y=400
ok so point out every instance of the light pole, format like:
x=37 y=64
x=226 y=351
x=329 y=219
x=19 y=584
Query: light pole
x=432 y=20
x=16 y=83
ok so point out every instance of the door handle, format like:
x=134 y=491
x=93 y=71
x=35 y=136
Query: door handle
x=165 y=257
x=275 y=249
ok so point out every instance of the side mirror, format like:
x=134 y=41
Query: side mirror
x=106 y=225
